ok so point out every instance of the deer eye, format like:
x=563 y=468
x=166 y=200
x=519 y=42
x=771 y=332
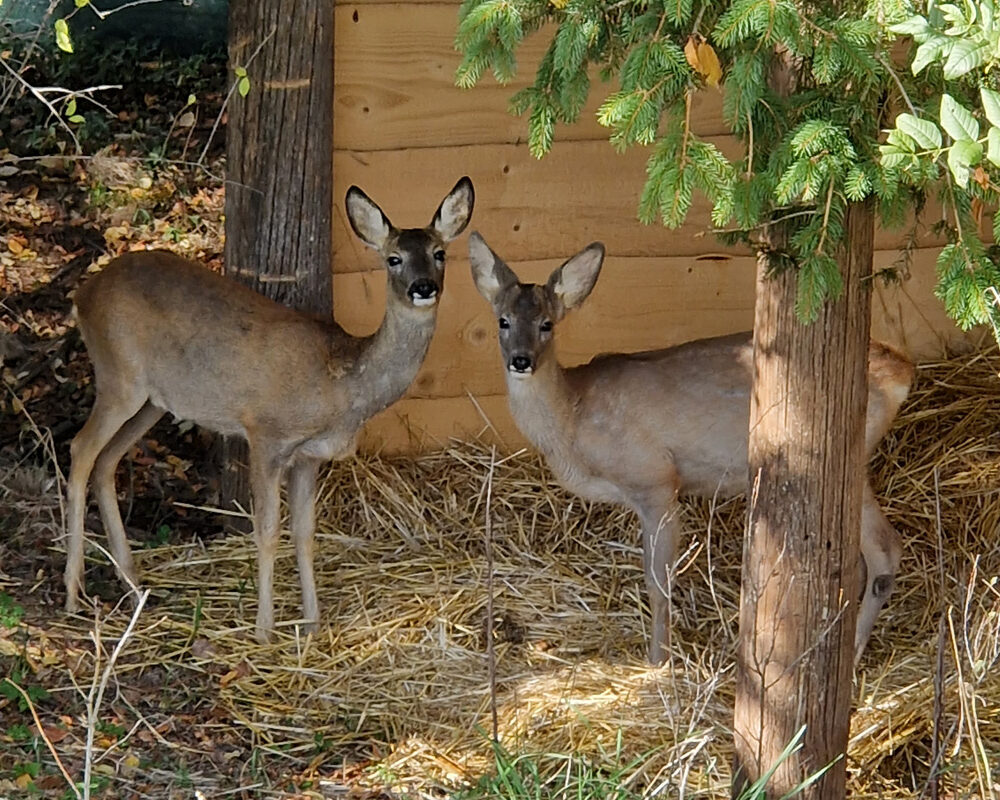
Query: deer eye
x=546 y=326
x=394 y=261
x=439 y=256
x=504 y=323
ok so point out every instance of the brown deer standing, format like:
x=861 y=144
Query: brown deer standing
x=166 y=334
x=640 y=429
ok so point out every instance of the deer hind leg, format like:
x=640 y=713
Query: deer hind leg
x=265 y=486
x=302 y=508
x=106 y=419
x=881 y=550
x=660 y=525
x=104 y=488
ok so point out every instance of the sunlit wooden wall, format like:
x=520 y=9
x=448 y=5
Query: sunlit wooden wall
x=405 y=134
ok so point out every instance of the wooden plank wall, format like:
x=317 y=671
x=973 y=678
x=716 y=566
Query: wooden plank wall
x=405 y=134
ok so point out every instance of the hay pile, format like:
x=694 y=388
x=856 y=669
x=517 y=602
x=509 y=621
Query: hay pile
x=398 y=673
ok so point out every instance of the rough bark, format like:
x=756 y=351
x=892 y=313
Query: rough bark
x=279 y=167
x=801 y=553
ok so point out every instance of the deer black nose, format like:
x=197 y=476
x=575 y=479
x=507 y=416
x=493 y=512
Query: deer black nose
x=521 y=363
x=424 y=289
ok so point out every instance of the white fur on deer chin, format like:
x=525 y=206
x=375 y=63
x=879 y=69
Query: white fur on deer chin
x=422 y=302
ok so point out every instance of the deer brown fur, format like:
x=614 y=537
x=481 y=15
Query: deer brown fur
x=166 y=334
x=640 y=429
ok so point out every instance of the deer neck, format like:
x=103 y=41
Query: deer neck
x=390 y=358
x=543 y=405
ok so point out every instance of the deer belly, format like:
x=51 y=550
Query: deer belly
x=587 y=485
x=330 y=447
x=188 y=408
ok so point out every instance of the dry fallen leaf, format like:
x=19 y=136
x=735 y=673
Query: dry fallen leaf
x=703 y=59
x=711 y=68
x=691 y=53
x=981 y=177
x=977 y=213
x=116 y=233
x=54 y=734
x=240 y=671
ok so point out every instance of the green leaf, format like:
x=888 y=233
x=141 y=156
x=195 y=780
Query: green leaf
x=243 y=87
x=965 y=56
x=63 y=41
x=892 y=156
x=991 y=105
x=912 y=26
x=993 y=146
x=191 y=100
x=970 y=152
x=901 y=141
x=77 y=118
x=953 y=14
x=928 y=52
x=960 y=157
x=81 y=3
x=71 y=107
x=957 y=119
x=241 y=72
x=923 y=131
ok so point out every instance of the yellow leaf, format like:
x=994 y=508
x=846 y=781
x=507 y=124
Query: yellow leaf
x=228 y=678
x=62 y=36
x=14 y=246
x=691 y=54
x=710 y=66
x=23 y=781
x=560 y=4
x=115 y=233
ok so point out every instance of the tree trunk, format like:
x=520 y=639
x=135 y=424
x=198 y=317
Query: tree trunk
x=801 y=554
x=279 y=167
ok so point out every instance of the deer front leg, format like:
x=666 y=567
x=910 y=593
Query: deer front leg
x=659 y=546
x=881 y=550
x=265 y=484
x=302 y=508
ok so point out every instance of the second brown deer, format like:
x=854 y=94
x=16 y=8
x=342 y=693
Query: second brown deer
x=166 y=334
x=640 y=429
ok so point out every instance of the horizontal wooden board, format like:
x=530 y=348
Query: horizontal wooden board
x=415 y=425
x=395 y=84
x=359 y=4
x=530 y=209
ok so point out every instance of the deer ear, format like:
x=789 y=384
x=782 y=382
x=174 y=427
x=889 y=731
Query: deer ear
x=573 y=281
x=369 y=223
x=490 y=274
x=455 y=210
